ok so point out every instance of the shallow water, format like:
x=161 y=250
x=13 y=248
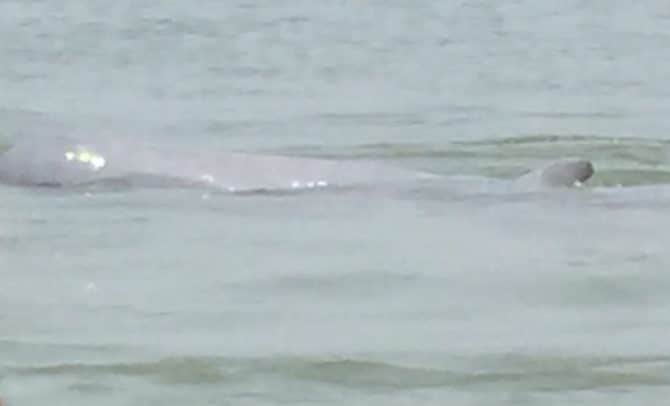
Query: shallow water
x=430 y=295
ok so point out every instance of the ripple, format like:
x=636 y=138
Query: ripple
x=520 y=371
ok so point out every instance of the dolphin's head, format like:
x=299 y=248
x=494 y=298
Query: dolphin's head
x=567 y=172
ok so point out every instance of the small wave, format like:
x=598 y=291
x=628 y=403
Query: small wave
x=620 y=177
x=573 y=114
x=168 y=371
x=530 y=373
x=538 y=373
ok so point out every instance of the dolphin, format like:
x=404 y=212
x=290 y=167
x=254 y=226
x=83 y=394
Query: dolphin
x=68 y=162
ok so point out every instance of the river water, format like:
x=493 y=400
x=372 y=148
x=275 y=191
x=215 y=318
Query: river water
x=135 y=297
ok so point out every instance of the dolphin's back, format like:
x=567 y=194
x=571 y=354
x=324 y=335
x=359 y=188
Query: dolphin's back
x=65 y=161
x=43 y=162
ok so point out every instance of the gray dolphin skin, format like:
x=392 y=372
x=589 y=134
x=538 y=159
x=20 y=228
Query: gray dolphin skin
x=564 y=172
x=71 y=162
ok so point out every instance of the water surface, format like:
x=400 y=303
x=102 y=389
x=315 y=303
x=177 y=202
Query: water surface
x=429 y=296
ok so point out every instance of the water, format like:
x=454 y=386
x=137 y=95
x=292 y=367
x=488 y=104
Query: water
x=424 y=297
